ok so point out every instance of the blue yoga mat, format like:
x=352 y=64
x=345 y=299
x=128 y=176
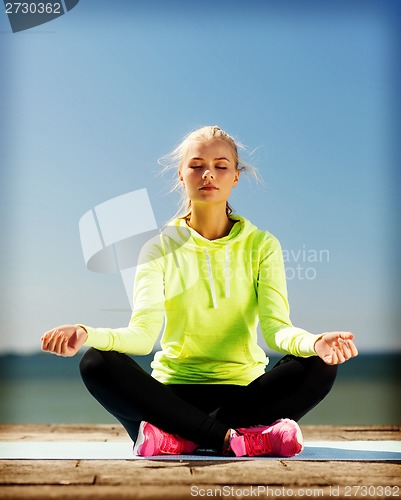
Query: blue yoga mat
x=90 y=450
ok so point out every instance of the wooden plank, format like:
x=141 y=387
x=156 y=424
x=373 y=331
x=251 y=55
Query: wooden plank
x=60 y=432
x=147 y=479
x=351 y=433
x=178 y=492
x=298 y=473
x=44 y=472
x=137 y=492
x=126 y=472
x=107 y=432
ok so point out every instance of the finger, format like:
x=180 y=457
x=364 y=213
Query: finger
x=345 y=349
x=334 y=358
x=64 y=349
x=51 y=340
x=43 y=342
x=55 y=341
x=47 y=337
x=349 y=349
x=338 y=348
x=61 y=344
x=58 y=346
x=46 y=334
x=353 y=349
x=340 y=357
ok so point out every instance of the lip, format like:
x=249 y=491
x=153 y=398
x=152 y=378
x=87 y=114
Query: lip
x=208 y=187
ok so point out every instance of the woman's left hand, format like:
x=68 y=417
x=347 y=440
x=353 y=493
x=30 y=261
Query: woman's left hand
x=336 y=347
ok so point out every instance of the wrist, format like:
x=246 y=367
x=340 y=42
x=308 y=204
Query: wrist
x=319 y=337
x=84 y=329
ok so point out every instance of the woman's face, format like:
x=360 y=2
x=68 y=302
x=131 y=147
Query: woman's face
x=209 y=172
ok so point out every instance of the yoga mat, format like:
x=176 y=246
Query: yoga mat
x=89 y=450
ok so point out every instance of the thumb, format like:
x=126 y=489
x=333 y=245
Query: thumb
x=347 y=335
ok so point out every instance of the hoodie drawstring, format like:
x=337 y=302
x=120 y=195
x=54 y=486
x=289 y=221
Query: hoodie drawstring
x=227 y=271
x=211 y=280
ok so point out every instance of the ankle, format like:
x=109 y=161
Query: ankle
x=226 y=442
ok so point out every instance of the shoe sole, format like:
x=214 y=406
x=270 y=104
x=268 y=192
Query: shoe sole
x=299 y=437
x=140 y=439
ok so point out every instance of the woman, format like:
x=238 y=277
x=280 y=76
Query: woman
x=207 y=280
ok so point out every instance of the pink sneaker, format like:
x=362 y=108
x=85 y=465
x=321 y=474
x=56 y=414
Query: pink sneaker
x=153 y=441
x=282 y=439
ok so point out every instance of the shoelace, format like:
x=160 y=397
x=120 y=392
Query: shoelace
x=170 y=444
x=258 y=444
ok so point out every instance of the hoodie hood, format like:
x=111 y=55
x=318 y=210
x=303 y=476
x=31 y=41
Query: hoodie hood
x=178 y=234
x=240 y=230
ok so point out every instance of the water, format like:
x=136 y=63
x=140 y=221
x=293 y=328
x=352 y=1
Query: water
x=47 y=389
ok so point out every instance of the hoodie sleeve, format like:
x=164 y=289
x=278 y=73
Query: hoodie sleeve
x=147 y=317
x=274 y=312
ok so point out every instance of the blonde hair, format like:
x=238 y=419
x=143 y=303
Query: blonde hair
x=175 y=161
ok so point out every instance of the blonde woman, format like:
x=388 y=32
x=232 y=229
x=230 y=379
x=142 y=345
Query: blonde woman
x=207 y=280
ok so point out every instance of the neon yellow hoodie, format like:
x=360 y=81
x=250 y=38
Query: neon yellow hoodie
x=210 y=296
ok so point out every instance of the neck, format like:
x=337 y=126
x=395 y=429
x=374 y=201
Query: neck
x=211 y=222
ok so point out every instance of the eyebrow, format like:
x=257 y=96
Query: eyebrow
x=215 y=159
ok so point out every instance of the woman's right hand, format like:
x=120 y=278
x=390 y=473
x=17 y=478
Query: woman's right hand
x=65 y=340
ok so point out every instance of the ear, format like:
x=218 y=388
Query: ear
x=181 y=177
x=236 y=178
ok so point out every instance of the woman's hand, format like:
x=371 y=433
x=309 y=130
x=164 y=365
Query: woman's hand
x=336 y=347
x=65 y=340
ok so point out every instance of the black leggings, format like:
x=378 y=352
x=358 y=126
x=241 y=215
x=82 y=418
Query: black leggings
x=203 y=413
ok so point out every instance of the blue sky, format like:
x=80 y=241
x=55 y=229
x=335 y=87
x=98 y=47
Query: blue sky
x=91 y=100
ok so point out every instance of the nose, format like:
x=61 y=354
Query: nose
x=207 y=174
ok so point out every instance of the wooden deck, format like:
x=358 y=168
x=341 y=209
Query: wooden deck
x=147 y=479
